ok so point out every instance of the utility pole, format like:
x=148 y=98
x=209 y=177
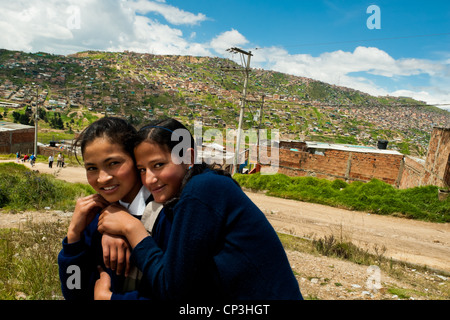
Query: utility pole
x=36 y=117
x=259 y=127
x=244 y=95
x=260 y=115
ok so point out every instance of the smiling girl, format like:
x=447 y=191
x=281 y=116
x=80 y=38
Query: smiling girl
x=221 y=245
x=106 y=147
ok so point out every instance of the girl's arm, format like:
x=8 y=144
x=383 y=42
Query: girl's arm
x=77 y=264
x=116 y=253
x=85 y=210
x=184 y=269
x=117 y=221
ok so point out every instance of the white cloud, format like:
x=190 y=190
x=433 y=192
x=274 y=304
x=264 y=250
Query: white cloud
x=172 y=14
x=153 y=37
x=68 y=26
x=331 y=65
x=339 y=68
x=227 y=40
x=53 y=25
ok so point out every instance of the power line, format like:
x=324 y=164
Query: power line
x=361 y=40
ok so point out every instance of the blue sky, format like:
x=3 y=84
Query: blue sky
x=408 y=55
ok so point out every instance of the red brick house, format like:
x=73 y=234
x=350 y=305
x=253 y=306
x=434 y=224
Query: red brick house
x=16 y=137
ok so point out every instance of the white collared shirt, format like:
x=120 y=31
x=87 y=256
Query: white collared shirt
x=137 y=206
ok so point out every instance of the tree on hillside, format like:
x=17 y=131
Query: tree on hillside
x=56 y=122
x=23 y=118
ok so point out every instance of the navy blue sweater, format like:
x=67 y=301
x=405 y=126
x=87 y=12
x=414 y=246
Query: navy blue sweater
x=221 y=247
x=87 y=254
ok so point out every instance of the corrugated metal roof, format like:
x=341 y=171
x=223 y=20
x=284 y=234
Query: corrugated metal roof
x=349 y=148
x=9 y=126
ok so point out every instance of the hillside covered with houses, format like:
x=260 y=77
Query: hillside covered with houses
x=81 y=87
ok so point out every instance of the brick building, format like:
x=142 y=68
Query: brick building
x=435 y=170
x=16 y=137
x=335 y=161
x=357 y=163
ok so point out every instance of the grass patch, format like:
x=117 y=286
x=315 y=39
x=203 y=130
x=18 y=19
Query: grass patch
x=401 y=293
x=28 y=261
x=333 y=247
x=28 y=256
x=422 y=283
x=22 y=189
x=378 y=197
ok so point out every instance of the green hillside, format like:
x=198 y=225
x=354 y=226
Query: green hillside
x=77 y=89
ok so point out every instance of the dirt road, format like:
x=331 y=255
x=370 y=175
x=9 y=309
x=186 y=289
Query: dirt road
x=69 y=174
x=417 y=242
x=406 y=240
x=412 y=241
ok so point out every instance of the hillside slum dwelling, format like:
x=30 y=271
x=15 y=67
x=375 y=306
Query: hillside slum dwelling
x=357 y=163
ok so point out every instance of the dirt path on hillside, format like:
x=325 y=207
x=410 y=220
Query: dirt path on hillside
x=417 y=242
x=68 y=173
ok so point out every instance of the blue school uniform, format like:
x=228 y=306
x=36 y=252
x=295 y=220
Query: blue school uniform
x=87 y=254
x=221 y=246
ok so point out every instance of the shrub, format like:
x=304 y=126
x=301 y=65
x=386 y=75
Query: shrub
x=339 y=184
x=23 y=189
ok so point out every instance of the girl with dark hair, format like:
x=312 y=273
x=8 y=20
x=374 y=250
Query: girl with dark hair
x=221 y=245
x=107 y=151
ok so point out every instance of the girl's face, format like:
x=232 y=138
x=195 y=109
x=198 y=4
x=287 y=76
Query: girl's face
x=158 y=173
x=111 y=171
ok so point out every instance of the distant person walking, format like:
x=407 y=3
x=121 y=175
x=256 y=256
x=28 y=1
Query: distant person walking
x=32 y=159
x=59 y=160
x=50 y=161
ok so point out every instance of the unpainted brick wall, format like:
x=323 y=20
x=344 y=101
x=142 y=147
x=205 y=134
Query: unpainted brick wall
x=398 y=170
x=17 y=140
x=412 y=174
x=338 y=164
x=437 y=166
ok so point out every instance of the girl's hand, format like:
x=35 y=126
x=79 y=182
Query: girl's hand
x=85 y=210
x=116 y=253
x=116 y=221
x=113 y=220
x=102 y=289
